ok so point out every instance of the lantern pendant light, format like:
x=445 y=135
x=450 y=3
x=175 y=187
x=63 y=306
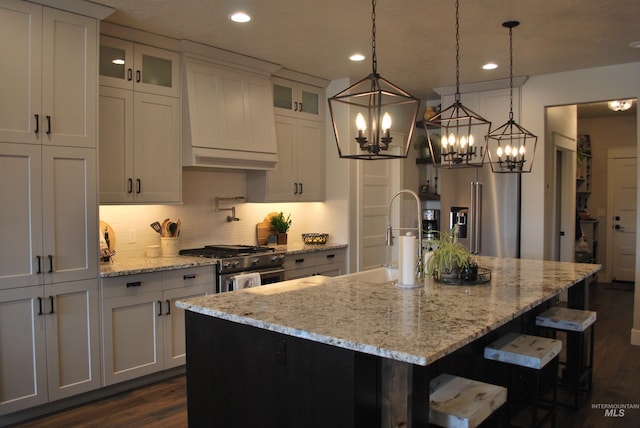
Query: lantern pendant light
x=373 y=118
x=457 y=134
x=511 y=144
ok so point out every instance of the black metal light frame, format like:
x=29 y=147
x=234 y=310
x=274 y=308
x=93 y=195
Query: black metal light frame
x=372 y=98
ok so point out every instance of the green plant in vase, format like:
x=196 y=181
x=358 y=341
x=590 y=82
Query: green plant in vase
x=281 y=225
x=450 y=259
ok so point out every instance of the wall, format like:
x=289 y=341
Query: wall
x=580 y=86
x=201 y=225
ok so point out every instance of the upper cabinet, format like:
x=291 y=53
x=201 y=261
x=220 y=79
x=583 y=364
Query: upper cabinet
x=49 y=89
x=140 y=132
x=298 y=100
x=128 y=65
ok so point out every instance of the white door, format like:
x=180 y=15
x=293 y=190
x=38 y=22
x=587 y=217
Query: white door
x=379 y=183
x=622 y=191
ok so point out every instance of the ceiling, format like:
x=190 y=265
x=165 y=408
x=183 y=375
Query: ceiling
x=415 y=39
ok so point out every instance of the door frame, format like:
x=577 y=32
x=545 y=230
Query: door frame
x=564 y=187
x=614 y=153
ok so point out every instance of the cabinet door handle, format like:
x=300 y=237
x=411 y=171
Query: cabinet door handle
x=296 y=106
x=300 y=107
x=130 y=185
x=37 y=131
x=159 y=308
x=48 y=125
x=51 y=301
x=129 y=74
x=300 y=193
x=189 y=276
x=295 y=188
x=134 y=284
x=138 y=76
x=168 y=302
x=39 y=305
x=50 y=263
x=39 y=264
x=138 y=185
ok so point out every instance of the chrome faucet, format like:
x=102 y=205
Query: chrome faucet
x=231 y=217
x=420 y=264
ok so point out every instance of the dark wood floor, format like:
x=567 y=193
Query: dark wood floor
x=616 y=381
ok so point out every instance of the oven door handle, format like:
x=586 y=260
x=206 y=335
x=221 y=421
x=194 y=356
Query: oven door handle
x=261 y=272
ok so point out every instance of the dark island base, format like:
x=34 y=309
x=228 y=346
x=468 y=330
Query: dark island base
x=242 y=376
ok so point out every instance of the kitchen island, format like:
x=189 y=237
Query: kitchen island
x=351 y=351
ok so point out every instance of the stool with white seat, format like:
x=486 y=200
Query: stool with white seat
x=579 y=367
x=531 y=354
x=462 y=403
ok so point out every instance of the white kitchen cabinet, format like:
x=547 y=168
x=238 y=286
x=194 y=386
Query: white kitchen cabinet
x=133 y=66
x=298 y=100
x=49 y=344
x=300 y=174
x=324 y=262
x=143 y=331
x=139 y=147
x=51 y=228
x=48 y=87
x=228 y=117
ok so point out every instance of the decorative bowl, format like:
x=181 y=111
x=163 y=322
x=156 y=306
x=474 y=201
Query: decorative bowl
x=315 y=238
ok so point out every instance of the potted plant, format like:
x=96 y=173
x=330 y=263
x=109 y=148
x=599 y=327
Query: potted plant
x=281 y=226
x=451 y=260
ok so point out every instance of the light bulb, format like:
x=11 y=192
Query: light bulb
x=470 y=140
x=463 y=142
x=452 y=139
x=386 y=122
x=443 y=141
x=361 y=124
x=507 y=150
x=499 y=151
x=521 y=150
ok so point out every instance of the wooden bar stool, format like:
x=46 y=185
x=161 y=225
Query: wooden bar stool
x=457 y=402
x=531 y=354
x=578 y=373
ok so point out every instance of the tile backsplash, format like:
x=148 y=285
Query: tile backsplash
x=202 y=225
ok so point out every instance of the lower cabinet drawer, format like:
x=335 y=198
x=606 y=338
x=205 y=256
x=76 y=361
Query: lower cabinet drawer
x=131 y=285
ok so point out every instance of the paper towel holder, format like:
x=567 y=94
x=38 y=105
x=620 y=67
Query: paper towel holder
x=389 y=236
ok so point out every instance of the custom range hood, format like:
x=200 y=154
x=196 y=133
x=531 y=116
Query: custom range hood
x=227 y=119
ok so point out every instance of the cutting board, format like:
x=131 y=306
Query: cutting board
x=105 y=227
x=263 y=229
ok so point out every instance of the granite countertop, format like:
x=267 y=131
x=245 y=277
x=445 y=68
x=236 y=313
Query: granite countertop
x=417 y=326
x=134 y=265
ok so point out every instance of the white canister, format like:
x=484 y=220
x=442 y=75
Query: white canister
x=170 y=247
x=152 y=251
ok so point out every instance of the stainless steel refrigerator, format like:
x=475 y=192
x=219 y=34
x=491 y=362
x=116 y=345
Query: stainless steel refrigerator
x=486 y=206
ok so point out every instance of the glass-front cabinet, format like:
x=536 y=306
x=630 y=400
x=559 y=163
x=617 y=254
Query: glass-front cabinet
x=128 y=65
x=298 y=100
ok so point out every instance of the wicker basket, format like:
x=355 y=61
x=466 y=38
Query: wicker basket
x=315 y=238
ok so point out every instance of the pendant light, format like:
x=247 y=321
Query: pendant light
x=510 y=145
x=373 y=118
x=457 y=134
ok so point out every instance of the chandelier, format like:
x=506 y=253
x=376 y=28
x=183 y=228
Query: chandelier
x=373 y=118
x=508 y=145
x=461 y=131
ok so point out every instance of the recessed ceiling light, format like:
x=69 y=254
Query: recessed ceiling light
x=240 y=17
x=356 y=57
x=635 y=44
x=490 y=66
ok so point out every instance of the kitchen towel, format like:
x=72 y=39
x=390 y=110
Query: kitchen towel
x=407 y=253
x=246 y=280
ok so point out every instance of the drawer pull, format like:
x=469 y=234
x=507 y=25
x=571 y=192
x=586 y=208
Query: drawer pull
x=330 y=256
x=299 y=260
x=134 y=284
x=189 y=276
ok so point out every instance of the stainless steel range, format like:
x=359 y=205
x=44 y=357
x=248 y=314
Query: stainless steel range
x=234 y=260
